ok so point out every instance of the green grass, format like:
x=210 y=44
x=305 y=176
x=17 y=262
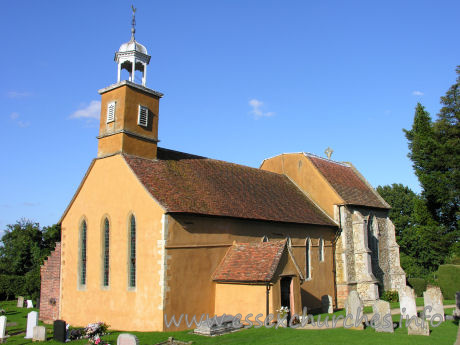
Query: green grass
x=444 y=334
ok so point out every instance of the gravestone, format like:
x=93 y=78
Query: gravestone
x=407 y=302
x=32 y=321
x=127 y=339
x=354 y=306
x=2 y=329
x=39 y=333
x=457 y=305
x=59 y=330
x=433 y=297
x=30 y=303
x=20 y=302
x=419 y=326
x=172 y=341
x=326 y=302
x=384 y=322
x=218 y=325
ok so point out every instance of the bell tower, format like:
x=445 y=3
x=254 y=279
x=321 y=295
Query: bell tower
x=129 y=109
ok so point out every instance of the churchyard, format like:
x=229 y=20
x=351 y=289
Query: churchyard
x=445 y=333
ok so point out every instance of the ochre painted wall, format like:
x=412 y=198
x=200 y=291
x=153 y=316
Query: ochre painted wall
x=302 y=171
x=112 y=190
x=233 y=299
x=197 y=244
x=127 y=100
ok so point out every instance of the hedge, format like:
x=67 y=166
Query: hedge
x=418 y=284
x=448 y=278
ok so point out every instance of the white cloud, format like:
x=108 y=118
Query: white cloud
x=417 y=93
x=256 y=106
x=18 y=94
x=14 y=116
x=92 y=111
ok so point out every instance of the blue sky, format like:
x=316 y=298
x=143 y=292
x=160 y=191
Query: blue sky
x=243 y=81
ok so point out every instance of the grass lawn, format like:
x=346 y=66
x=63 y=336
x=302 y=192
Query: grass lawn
x=444 y=334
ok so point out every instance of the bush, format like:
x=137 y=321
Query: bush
x=418 y=284
x=390 y=296
x=448 y=279
x=11 y=286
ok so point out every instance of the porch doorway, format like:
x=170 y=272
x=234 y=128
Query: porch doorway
x=286 y=296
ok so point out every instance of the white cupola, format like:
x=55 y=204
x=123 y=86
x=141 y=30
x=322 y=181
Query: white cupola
x=132 y=56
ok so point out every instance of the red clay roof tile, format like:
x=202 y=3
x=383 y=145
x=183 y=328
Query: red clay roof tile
x=346 y=182
x=250 y=262
x=192 y=184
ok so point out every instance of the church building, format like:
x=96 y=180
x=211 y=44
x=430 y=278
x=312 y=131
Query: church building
x=151 y=232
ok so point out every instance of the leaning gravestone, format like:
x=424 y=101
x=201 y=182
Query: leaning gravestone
x=127 y=339
x=39 y=333
x=30 y=304
x=20 y=302
x=32 y=321
x=384 y=323
x=326 y=302
x=354 y=306
x=418 y=326
x=2 y=329
x=432 y=297
x=407 y=302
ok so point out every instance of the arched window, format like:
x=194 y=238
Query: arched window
x=321 y=249
x=83 y=253
x=307 y=258
x=132 y=252
x=106 y=253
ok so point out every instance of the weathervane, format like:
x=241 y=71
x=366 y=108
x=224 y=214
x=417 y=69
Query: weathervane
x=133 y=23
x=328 y=152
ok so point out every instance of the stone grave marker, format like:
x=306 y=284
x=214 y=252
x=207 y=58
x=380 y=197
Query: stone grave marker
x=457 y=305
x=39 y=333
x=419 y=327
x=32 y=321
x=59 y=331
x=127 y=339
x=30 y=304
x=354 y=306
x=384 y=322
x=407 y=302
x=218 y=325
x=432 y=297
x=326 y=302
x=2 y=329
x=20 y=302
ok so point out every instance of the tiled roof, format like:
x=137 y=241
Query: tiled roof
x=347 y=183
x=192 y=184
x=250 y=262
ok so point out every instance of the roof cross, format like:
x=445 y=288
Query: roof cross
x=329 y=152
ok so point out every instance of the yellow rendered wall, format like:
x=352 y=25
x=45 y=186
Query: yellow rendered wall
x=197 y=244
x=233 y=299
x=127 y=101
x=302 y=171
x=112 y=190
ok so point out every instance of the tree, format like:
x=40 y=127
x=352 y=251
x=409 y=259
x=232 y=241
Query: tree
x=424 y=244
x=24 y=247
x=435 y=153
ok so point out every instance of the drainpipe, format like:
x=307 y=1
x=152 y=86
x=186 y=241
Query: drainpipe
x=268 y=299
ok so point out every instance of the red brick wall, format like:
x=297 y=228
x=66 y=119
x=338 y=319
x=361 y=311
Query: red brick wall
x=50 y=273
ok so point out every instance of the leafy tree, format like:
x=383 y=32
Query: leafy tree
x=24 y=247
x=424 y=244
